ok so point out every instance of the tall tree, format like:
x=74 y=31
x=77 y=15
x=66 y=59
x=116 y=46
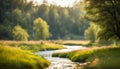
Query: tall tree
x=41 y=29
x=64 y=22
x=106 y=14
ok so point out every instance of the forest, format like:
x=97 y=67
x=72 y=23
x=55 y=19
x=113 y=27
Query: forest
x=61 y=22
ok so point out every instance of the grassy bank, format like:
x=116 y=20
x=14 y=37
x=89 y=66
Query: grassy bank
x=18 y=54
x=99 y=58
x=15 y=58
x=71 y=42
x=32 y=45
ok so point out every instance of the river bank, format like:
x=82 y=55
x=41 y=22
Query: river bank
x=15 y=58
x=20 y=54
x=96 y=58
x=60 y=63
x=92 y=58
x=33 y=46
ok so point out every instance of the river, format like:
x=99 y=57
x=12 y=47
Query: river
x=60 y=63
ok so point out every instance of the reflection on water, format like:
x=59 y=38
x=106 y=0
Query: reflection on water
x=60 y=63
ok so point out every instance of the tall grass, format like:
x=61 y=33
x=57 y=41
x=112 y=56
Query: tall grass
x=32 y=45
x=70 y=42
x=99 y=58
x=15 y=58
x=106 y=58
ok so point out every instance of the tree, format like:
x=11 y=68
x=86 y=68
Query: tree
x=91 y=32
x=106 y=14
x=41 y=29
x=62 y=21
x=20 y=34
x=43 y=11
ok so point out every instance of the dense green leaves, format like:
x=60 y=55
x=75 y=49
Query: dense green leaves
x=41 y=29
x=91 y=32
x=106 y=14
x=63 y=22
x=20 y=34
x=12 y=13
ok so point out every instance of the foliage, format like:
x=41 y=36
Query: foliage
x=41 y=29
x=13 y=18
x=105 y=14
x=10 y=59
x=62 y=21
x=20 y=34
x=91 y=32
x=13 y=13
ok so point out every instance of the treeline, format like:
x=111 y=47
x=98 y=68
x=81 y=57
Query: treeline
x=15 y=13
x=17 y=21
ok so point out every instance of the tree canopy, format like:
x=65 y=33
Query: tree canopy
x=63 y=22
x=20 y=34
x=105 y=14
x=41 y=29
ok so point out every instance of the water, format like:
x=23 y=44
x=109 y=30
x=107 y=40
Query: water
x=60 y=63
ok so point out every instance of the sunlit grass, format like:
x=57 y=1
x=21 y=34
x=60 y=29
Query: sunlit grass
x=32 y=45
x=76 y=42
x=71 y=42
x=106 y=58
x=51 y=46
x=99 y=58
x=15 y=58
x=12 y=57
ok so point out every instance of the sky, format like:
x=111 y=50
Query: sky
x=63 y=3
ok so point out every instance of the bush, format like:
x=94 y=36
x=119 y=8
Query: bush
x=20 y=34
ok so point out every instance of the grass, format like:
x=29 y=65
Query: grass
x=51 y=46
x=71 y=42
x=15 y=58
x=32 y=45
x=99 y=57
x=18 y=54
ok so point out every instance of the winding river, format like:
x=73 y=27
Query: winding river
x=60 y=63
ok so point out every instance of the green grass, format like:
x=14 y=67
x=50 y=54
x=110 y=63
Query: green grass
x=99 y=58
x=15 y=58
x=70 y=42
x=32 y=45
x=18 y=54
x=51 y=46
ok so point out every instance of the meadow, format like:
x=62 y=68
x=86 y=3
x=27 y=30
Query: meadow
x=71 y=42
x=33 y=46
